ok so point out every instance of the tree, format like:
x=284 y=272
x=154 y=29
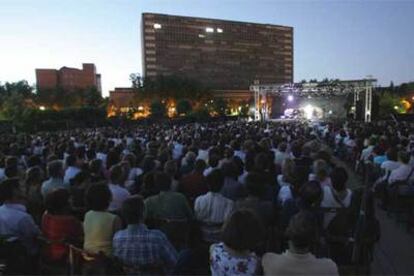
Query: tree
x=136 y=80
x=220 y=106
x=14 y=107
x=158 y=109
x=93 y=97
x=183 y=107
x=388 y=104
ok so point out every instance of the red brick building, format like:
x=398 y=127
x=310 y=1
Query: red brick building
x=69 y=78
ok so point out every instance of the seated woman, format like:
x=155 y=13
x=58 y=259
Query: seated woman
x=59 y=226
x=99 y=224
x=337 y=196
x=321 y=173
x=242 y=233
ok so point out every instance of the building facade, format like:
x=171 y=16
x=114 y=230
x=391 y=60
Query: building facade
x=69 y=79
x=221 y=54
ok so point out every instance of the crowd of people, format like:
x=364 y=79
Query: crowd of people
x=226 y=198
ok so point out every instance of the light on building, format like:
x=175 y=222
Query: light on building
x=201 y=36
x=157 y=26
x=219 y=30
x=309 y=97
x=240 y=108
x=330 y=112
x=395 y=107
x=42 y=108
x=140 y=108
x=209 y=30
x=290 y=98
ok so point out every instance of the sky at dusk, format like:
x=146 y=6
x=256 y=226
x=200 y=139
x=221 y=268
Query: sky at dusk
x=334 y=39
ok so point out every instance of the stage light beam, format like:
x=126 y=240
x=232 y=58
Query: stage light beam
x=290 y=98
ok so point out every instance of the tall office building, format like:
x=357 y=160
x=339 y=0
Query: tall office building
x=224 y=55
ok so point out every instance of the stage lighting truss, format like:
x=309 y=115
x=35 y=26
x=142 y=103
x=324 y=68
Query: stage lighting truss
x=316 y=89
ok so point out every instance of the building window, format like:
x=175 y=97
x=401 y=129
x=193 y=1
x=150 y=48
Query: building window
x=219 y=30
x=157 y=26
x=201 y=36
x=209 y=30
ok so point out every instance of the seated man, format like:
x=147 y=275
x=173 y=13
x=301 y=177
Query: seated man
x=212 y=209
x=137 y=246
x=55 y=181
x=167 y=204
x=298 y=260
x=15 y=222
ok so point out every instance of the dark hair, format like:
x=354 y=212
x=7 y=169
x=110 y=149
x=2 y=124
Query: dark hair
x=339 y=177
x=215 y=180
x=199 y=165
x=98 y=197
x=55 y=168
x=243 y=230
x=133 y=209
x=392 y=154
x=71 y=160
x=311 y=194
x=57 y=201
x=255 y=184
x=116 y=174
x=162 y=180
x=213 y=160
x=8 y=188
x=95 y=166
x=302 y=229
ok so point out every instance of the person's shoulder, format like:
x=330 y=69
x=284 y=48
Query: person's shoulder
x=269 y=258
x=328 y=266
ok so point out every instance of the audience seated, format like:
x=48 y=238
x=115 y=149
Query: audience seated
x=141 y=249
x=234 y=255
x=55 y=181
x=99 y=225
x=59 y=227
x=298 y=260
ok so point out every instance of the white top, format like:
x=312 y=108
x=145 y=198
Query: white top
x=240 y=154
x=390 y=165
x=208 y=171
x=177 y=151
x=203 y=155
x=401 y=173
x=297 y=264
x=119 y=194
x=285 y=193
x=70 y=173
x=212 y=207
x=328 y=201
x=102 y=156
x=366 y=153
x=280 y=157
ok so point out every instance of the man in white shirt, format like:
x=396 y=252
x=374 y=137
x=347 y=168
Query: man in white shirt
x=119 y=193
x=212 y=209
x=15 y=222
x=281 y=154
x=366 y=153
x=298 y=260
x=404 y=171
x=71 y=169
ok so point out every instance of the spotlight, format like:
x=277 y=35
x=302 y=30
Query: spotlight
x=290 y=98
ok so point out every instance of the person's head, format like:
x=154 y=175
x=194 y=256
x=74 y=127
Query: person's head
x=302 y=231
x=170 y=167
x=163 y=181
x=95 y=166
x=133 y=209
x=116 y=174
x=242 y=231
x=213 y=160
x=55 y=169
x=403 y=157
x=57 y=202
x=282 y=147
x=131 y=159
x=215 y=180
x=10 y=190
x=296 y=149
x=320 y=168
x=311 y=194
x=339 y=177
x=71 y=161
x=255 y=184
x=392 y=154
x=98 y=197
x=378 y=151
x=34 y=176
x=199 y=166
